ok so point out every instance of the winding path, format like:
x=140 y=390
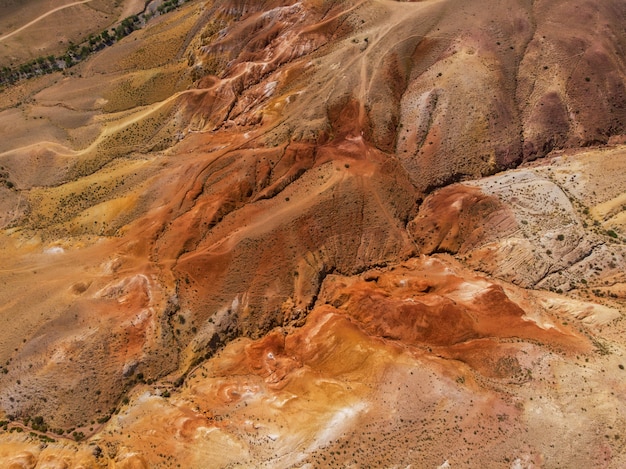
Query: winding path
x=39 y=18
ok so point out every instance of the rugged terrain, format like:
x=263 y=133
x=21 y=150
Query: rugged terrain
x=316 y=234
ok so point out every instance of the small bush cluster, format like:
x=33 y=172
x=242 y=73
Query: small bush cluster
x=168 y=6
x=76 y=53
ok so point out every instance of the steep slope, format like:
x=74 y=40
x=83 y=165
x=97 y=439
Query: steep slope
x=223 y=233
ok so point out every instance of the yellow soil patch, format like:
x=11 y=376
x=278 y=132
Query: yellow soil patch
x=142 y=88
x=155 y=46
x=89 y=194
x=31 y=29
x=610 y=208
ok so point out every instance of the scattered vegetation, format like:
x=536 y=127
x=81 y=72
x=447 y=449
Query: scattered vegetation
x=39 y=425
x=76 y=53
x=169 y=5
x=601 y=347
x=4 y=179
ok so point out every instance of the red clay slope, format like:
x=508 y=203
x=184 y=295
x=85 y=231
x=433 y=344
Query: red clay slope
x=311 y=135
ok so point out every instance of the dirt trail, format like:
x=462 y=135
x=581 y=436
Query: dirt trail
x=109 y=128
x=39 y=18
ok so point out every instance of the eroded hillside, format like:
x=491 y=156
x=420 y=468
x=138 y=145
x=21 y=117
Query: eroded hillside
x=271 y=234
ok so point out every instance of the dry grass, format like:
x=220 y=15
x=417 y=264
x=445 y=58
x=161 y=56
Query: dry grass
x=45 y=37
x=197 y=264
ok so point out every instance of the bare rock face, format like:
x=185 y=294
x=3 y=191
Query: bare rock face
x=460 y=218
x=448 y=101
x=423 y=344
x=535 y=227
x=279 y=234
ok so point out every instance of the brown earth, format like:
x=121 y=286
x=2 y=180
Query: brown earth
x=279 y=234
x=39 y=28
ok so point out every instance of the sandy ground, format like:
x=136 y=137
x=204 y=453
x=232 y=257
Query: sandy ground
x=237 y=238
x=39 y=18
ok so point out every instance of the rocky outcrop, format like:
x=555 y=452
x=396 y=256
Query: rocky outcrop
x=533 y=227
x=285 y=233
x=448 y=101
